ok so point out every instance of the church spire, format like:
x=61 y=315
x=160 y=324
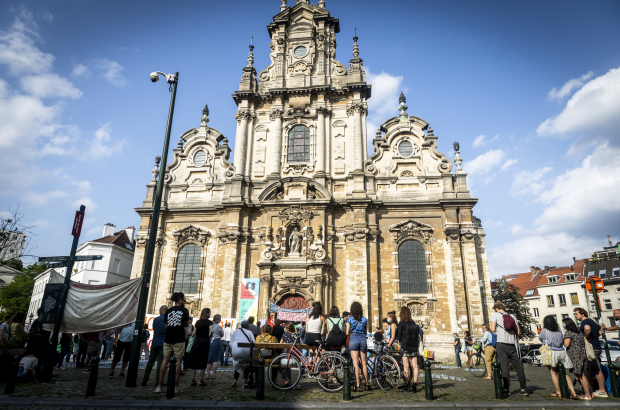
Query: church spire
x=248 y=79
x=251 y=54
x=356 y=64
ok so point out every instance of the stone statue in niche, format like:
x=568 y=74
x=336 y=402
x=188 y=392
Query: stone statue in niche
x=294 y=243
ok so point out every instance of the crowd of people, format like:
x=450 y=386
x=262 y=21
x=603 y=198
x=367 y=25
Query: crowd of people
x=577 y=348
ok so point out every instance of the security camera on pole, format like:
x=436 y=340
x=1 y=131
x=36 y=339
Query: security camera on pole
x=136 y=346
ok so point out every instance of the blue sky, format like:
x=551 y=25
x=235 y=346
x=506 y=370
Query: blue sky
x=530 y=89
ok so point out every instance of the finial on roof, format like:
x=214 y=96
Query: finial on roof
x=283 y=5
x=322 y=4
x=356 y=51
x=251 y=54
x=205 y=111
x=205 y=115
x=402 y=98
x=157 y=160
x=402 y=107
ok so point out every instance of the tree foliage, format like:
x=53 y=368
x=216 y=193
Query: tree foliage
x=15 y=297
x=14 y=263
x=515 y=304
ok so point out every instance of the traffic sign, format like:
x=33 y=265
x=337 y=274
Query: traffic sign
x=82 y=258
x=598 y=284
x=77 y=223
x=54 y=259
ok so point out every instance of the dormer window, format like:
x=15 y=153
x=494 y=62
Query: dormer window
x=552 y=279
x=530 y=292
x=570 y=277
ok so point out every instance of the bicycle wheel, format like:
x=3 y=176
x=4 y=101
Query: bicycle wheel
x=287 y=372
x=330 y=372
x=478 y=366
x=387 y=374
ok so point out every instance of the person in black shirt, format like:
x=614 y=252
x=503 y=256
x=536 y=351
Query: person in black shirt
x=408 y=333
x=278 y=330
x=175 y=319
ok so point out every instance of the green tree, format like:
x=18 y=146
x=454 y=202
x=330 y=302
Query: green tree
x=15 y=297
x=14 y=263
x=515 y=304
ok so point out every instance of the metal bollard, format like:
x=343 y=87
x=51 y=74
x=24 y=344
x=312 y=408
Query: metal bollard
x=172 y=374
x=12 y=379
x=92 y=377
x=428 y=380
x=497 y=380
x=346 y=382
x=260 y=380
x=563 y=384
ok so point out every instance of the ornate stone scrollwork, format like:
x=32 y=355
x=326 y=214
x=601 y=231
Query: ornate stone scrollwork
x=230 y=236
x=295 y=213
x=356 y=107
x=294 y=283
x=275 y=114
x=142 y=240
x=411 y=228
x=373 y=234
x=325 y=112
x=468 y=233
x=190 y=232
x=244 y=115
x=331 y=234
x=406 y=174
x=452 y=232
x=356 y=233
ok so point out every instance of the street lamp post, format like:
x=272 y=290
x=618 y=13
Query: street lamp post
x=136 y=346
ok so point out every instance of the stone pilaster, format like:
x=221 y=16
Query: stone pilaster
x=452 y=232
x=275 y=143
x=242 y=117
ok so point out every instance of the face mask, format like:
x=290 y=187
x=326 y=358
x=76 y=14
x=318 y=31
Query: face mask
x=563 y=325
x=389 y=321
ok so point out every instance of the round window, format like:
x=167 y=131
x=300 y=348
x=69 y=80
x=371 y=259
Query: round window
x=200 y=158
x=300 y=51
x=405 y=149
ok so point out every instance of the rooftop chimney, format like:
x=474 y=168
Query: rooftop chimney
x=130 y=233
x=533 y=270
x=108 y=229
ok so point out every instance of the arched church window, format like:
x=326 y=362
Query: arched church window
x=299 y=144
x=412 y=267
x=188 y=269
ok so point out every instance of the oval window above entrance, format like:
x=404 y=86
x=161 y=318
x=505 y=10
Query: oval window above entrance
x=293 y=302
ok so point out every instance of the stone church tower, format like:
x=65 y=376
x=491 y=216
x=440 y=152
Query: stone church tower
x=306 y=210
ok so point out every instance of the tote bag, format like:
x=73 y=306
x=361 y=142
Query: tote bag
x=545 y=353
x=590 y=355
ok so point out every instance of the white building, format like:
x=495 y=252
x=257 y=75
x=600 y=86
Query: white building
x=12 y=246
x=117 y=249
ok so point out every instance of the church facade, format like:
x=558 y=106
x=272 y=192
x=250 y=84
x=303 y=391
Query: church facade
x=304 y=207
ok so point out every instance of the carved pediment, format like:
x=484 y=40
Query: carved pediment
x=191 y=232
x=411 y=228
x=298 y=188
x=295 y=213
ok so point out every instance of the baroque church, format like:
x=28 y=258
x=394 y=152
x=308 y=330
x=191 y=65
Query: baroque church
x=304 y=207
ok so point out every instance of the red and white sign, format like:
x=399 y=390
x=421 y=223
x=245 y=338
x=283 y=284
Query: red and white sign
x=77 y=223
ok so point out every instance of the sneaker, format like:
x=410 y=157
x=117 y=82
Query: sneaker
x=599 y=393
x=86 y=371
x=111 y=375
x=523 y=392
x=121 y=375
x=506 y=393
x=158 y=389
x=177 y=390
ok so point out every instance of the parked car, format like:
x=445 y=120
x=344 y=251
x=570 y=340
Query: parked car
x=533 y=358
x=526 y=348
x=614 y=350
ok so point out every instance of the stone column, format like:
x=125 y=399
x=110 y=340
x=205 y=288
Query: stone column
x=472 y=278
x=241 y=140
x=358 y=144
x=320 y=141
x=275 y=143
x=265 y=287
x=452 y=232
x=328 y=142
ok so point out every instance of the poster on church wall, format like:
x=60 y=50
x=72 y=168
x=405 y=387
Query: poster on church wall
x=248 y=298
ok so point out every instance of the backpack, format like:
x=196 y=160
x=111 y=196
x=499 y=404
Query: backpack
x=336 y=336
x=409 y=340
x=493 y=339
x=509 y=322
x=144 y=336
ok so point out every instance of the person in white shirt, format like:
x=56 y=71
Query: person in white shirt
x=226 y=344
x=241 y=355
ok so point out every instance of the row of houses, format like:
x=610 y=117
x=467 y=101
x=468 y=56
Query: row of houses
x=558 y=291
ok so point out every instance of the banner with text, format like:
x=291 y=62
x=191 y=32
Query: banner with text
x=248 y=298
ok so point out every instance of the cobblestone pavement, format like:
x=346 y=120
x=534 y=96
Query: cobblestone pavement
x=71 y=384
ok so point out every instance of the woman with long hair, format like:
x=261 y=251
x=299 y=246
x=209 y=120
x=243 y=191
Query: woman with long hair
x=314 y=324
x=390 y=333
x=356 y=327
x=408 y=334
x=19 y=337
x=334 y=320
x=552 y=336
x=469 y=345
x=574 y=343
x=215 y=350
x=199 y=353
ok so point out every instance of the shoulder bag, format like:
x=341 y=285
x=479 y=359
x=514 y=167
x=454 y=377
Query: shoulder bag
x=545 y=351
x=265 y=353
x=590 y=355
x=244 y=360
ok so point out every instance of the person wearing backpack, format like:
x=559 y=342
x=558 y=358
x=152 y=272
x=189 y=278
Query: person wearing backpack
x=507 y=328
x=334 y=327
x=408 y=333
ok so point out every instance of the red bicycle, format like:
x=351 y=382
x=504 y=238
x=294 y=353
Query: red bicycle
x=287 y=369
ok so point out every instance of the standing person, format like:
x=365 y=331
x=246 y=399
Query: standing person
x=157 y=345
x=278 y=330
x=19 y=337
x=507 y=328
x=390 y=333
x=253 y=328
x=576 y=349
x=345 y=315
x=93 y=347
x=591 y=331
x=334 y=326
x=198 y=357
x=356 y=327
x=226 y=344
x=314 y=324
x=457 y=349
x=613 y=328
x=408 y=333
x=5 y=330
x=215 y=351
x=146 y=335
x=490 y=355
x=469 y=345
x=123 y=349
x=551 y=336
x=241 y=355
x=82 y=348
x=176 y=319
x=65 y=349
x=109 y=345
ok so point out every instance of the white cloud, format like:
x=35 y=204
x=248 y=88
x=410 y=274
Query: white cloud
x=594 y=108
x=49 y=85
x=508 y=164
x=570 y=85
x=479 y=141
x=80 y=71
x=87 y=202
x=111 y=71
x=492 y=223
x=386 y=89
x=529 y=182
x=18 y=50
x=103 y=145
x=39 y=199
x=41 y=223
x=482 y=165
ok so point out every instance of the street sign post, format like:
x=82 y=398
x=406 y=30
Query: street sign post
x=82 y=258
x=596 y=283
x=48 y=365
x=54 y=259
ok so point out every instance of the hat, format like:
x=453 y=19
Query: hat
x=217 y=318
x=245 y=324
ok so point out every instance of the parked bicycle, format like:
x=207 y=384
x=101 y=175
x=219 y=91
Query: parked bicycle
x=382 y=368
x=477 y=364
x=326 y=368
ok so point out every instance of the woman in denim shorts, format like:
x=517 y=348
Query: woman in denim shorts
x=356 y=327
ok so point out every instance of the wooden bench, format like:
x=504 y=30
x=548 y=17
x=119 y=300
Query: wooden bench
x=282 y=346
